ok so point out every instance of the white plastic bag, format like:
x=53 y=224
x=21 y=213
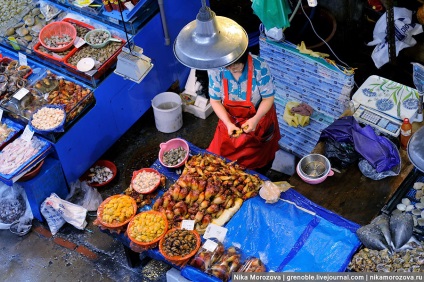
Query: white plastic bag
x=84 y=195
x=14 y=205
x=57 y=211
x=404 y=31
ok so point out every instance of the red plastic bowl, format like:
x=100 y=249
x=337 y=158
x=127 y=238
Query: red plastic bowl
x=135 y=173
x=33 y=172
x=105 y=163
x=173 y=144
x=59 y=28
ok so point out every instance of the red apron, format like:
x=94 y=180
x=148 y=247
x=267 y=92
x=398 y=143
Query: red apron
x=254 y=149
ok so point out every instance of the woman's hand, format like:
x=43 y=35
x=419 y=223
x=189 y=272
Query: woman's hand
x=250 y=125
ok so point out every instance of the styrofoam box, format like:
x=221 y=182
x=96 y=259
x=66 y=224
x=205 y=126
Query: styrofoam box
x=201 y=108
x=198 y=112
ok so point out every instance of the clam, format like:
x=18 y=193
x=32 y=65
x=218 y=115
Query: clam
x=409 y=208
x=420 y=221
x=29 y=20
x=10 y=31
x=419 y=194
x=419 y=205
x=35 y=11
x=28 y=38
x=418 y=185
x=406 y=201
x=22 y=31
x=401 y=207
x=416 y=212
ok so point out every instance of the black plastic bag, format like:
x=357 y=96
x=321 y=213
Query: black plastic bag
x=340 y=154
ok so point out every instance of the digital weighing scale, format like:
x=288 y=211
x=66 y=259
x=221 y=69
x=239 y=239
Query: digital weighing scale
x=383 y=104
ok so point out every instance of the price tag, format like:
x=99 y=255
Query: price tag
x=22 y=59
x=113 y=20
x=210 y=245
x=129 y=6
x=1 y=114
x=27 y=134
x=215 y=231
x=20 y=94
x=187 y=224
x=78 y=42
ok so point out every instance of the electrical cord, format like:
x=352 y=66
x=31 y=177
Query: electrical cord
x=312 y=26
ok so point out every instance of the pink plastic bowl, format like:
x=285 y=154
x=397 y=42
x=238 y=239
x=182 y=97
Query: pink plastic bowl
x=173 y=144
x=310 y=180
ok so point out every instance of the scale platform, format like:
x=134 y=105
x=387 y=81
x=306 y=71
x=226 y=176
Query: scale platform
x=388 y=97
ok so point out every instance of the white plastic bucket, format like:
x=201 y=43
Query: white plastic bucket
x=167 y=108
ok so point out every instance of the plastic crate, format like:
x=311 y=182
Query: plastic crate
x=58 y=60
x=101 y=70
x=50 y=180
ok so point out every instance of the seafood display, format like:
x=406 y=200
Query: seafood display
x=101 y=55
x=117 y=210
x=99 y=174
x=147 y=227
x=56 y=41
x=209 y=190
x=17 y=153
x=145 y=181
x=98 y=37
x=414 y=205
x=12 y=77
x=9 y=10
x=179 y=242
x=206 y=257
x=81 y=32
x=253 y=265
x=48 y=118
x=4 y=132
x=72 y=96
x=25 y=32
x=228 y=263
x=174 y=156
x=367 y=260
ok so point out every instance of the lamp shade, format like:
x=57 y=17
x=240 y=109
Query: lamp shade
x=210 y=41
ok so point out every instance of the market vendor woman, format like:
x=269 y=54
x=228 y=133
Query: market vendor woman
x=242 y=96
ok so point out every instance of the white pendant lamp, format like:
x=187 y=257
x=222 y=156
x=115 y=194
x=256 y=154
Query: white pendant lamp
x=210 y=41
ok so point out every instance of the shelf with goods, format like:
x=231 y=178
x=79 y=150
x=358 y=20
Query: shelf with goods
x=118 y=102
x=22 y=35
x=109 y=12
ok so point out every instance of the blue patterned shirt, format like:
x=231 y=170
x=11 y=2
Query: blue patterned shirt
x=262 y=84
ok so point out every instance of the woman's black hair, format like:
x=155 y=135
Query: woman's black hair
x=243 y=58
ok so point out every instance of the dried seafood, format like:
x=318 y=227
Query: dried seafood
x=209 y=190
